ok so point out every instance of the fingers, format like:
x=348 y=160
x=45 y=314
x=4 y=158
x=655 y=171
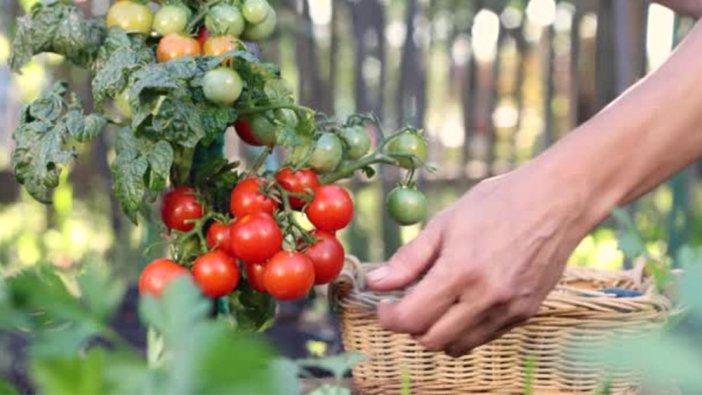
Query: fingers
x=490 y=328
x=409 y=261
x=459 y=319
x=422 y=305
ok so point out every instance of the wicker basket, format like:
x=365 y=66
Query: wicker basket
x=575 y=316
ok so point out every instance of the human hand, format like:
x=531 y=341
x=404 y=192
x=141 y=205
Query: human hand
x=490 y=259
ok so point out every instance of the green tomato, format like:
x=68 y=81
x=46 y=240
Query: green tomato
x=327 y=154
x=255 y=11
x=286 y=116
x=130 y=16
x=407 y=206
x=262 y=30
x=408 y=143
x=224 y=19
x=357 y=140
x=171 y=19
x=122 y=104
x=222 y=86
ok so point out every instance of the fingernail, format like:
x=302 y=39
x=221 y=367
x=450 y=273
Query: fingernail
x=377 y=274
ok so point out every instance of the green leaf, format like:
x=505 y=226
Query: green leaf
x=337 y=365
x=7 y=389
x=253 y=311
x=101 y=293
x=74 y=375
x=117 y=58
x=285 y=373
x=160 y=159
x=58 y=27
x=46 y=138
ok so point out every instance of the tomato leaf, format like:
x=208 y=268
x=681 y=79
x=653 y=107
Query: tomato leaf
x=46 y=138
x=117 y=58
x=60 y=27
x=253 y=311
x=7 y=389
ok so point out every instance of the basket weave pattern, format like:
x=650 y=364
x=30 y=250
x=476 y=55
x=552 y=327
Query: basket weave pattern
x=574 y=317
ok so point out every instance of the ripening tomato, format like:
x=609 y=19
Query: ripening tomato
x=219 y=45
x=289 y=275
x=158 y=274
x=130 y=16
x=301 y=181
x=179 y=208
x=216 y=273
x=222 y=86
x=248 y=198
x=171 y=19
x=202 y=36
x=254 y=275
x=327 y=256
x=256 y=130
x=331 y=209
x=174 y=46
x=218 y=237
x=256 y=237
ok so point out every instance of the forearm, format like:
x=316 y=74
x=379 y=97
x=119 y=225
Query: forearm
x=650 y=132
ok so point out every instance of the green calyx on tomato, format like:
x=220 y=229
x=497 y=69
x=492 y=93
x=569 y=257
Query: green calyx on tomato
x=300 y=182
x=130 y=16
x=357 y=141
x=328 y=153
x=171 y=19
x=409 y=149
x=407 y=206
x=224 y=19
x=222 y=86
x=262 y=30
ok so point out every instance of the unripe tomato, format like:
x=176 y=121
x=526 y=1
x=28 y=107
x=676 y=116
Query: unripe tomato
x=327 y=153
x=219 y=236
x=158 y=274
x=256 y=130
x=327 y=256
x=255 y=11
x=216 y=273
x=171 y=19
x=130 y=16
x=174 y=46
x=409 y=143
x=331 y=209
x=222 y=86
x=407 y=206
x=218 y=45
x=256 y=237
x=254 y=275
x=263 y=29
x=289 y=275
x=248 y=198
x=179 y=208
x=122 y=103
x=224 y=19
x=301 y=181
x=357 y=141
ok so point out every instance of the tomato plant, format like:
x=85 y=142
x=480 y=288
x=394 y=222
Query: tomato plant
x=331 y=209
x=130 y=16
x=216 y=273
x=180 y=79
x=289 y=275
x=158 y=274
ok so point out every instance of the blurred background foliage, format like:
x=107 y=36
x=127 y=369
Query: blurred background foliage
x=493 y=82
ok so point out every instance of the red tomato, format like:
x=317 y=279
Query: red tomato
x=247 y=198
x=174 y=46
x=202 y=36
x=256 y=237
x=218 y=236
x=254 y=274
x=327 y=255
x=301 y=181
x=331 y=209
x=180 y=206
x=289 y=275
x=216 y=273
x=158 y=274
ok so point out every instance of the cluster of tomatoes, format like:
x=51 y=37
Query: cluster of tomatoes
x=224 y=24
x=256 y=239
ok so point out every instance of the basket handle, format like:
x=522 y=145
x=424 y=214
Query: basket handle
x=351 y=284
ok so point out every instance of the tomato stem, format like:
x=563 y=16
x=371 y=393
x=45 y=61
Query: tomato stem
x=260 y=160
x=278 y=106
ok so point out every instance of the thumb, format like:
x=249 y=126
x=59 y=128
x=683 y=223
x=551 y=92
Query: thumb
x=409 y=261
